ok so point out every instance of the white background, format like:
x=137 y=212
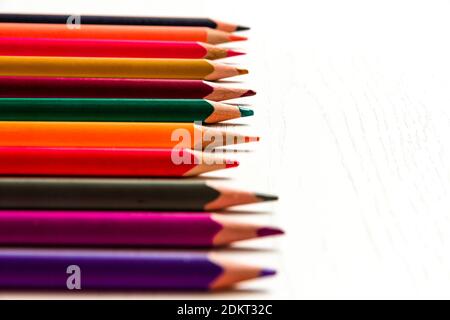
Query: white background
x=354 y=112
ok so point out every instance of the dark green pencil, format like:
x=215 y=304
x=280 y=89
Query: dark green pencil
x=118 y=110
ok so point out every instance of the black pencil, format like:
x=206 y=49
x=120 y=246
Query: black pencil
x=120 y=20
x=121 y=194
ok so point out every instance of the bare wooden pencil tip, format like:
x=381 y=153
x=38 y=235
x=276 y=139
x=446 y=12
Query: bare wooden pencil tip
x=222 y=71
x=234 y=273
x=231 y=197
x=234 y=231
x=220 y=93
x=249 y=139
x=209 y=162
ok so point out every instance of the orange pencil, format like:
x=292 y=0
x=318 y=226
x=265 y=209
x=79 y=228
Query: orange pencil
x=114 y=32
x=115 y=135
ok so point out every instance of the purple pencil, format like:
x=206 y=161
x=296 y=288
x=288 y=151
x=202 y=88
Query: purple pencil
x=147 y=229
x=119 y=270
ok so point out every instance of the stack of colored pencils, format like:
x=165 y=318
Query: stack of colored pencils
x=93 y=117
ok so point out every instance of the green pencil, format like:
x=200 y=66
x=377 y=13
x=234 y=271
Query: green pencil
x=118 y=110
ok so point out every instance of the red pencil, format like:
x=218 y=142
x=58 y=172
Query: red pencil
x=106 y=162
x=112 y=48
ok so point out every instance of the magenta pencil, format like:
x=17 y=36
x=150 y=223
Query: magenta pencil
x=148 y=229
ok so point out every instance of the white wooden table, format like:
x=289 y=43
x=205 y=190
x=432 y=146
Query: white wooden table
x=354 y=112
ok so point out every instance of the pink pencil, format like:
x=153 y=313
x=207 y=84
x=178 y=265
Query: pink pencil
x=95 y=228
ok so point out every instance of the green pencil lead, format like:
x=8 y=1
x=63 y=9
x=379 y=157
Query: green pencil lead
x=246 y=112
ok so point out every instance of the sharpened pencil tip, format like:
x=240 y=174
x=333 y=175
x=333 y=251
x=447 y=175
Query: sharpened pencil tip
x=251 y=139
x=246 y=112
x=269 y=231
x=233 y=53
x=266 y=197
x=234 y=37
x=267 y=273
x=242 y=71
x=232 y=164
x=249 y=93
x=242 y=28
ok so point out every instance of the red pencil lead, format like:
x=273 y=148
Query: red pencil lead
x=249 y=93
x=251 y=139
x=233 y=53
x=232 y=164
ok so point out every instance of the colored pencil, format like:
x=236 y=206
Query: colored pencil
x=108 y=162
x=120 y=20
x=112 y=49
x=106 y=32
x=137 y=229
x=115 y=135
x=44 y=87
x=118 y=110
x=195 y=69
x=122 y=194
x=122 y=270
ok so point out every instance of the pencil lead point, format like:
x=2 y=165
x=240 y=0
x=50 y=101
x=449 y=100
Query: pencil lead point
x=242 y=71
x=232 y=164
x=267 y=273
x=251 y=139
x=249 y=93
x=269 y=231
x=242 y=28
x=234 y=37
x=246 y=112
x=233 y=53
x=266 y=197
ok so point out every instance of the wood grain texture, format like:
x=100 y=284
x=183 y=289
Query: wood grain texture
x=353 y=109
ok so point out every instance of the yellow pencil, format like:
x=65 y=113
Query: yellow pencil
x=117 y=68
